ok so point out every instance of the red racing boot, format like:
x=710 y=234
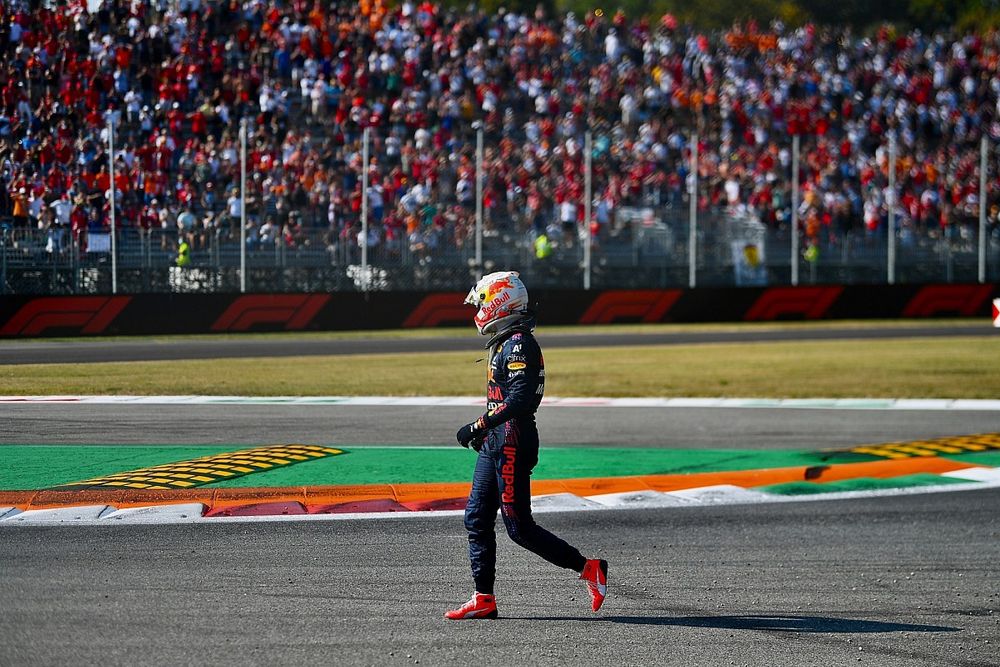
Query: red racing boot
x=595 y=574
x=480 y=606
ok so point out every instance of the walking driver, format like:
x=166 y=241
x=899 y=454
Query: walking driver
x=507 y=441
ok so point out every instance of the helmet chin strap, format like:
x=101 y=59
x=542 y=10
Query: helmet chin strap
x=524 y=325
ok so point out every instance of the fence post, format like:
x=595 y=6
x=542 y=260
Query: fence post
x=693 y=215
x=479 y=199
x=243 y=205
x=3 y=260
x=891 y=202
x=75 y=260
x=983 y=146
x=588 y=178
x=364 y=209
x=795 y=209
x=111 y=171
x=217 y=251
x=145 y=240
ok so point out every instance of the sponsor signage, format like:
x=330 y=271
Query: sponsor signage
x=157 y=314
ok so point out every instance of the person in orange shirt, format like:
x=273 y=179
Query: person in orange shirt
x=20 y=208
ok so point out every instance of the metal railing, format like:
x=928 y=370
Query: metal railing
x=654 y=238
x=640 y=248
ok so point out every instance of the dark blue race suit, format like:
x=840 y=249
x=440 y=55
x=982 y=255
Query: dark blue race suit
x=502 y=480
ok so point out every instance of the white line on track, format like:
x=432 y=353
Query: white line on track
x=724 y=494
x=922 y=404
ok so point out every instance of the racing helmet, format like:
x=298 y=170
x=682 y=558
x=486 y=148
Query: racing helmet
x=502 y=300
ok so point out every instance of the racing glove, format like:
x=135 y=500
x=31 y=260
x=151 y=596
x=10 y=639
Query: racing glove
x=472 y=435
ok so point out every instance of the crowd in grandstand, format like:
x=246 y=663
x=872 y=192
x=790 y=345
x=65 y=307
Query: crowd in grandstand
x=177 y=77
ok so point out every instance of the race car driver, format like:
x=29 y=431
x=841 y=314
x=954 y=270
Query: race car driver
x=507 y=442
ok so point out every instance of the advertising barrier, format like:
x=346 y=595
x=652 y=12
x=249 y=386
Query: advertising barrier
x=158 y=314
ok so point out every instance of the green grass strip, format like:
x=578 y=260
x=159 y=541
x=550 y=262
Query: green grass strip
x=859 y=484
x=402 y=465
x=43 y=466
x=989 y=459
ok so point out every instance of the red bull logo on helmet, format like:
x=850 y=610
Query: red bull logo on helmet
x=495 y=288
x=489 y=310
x=496 y=303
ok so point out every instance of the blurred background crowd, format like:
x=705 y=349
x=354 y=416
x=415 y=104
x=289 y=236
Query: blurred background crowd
x=178 y=77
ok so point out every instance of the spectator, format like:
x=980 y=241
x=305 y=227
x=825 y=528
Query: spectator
x=179 y=78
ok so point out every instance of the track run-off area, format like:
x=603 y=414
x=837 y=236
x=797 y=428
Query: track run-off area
x=738 y=531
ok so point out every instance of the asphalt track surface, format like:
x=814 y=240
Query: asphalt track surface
x=907 y=580
x=904 y=580
x=705 y=428
x=141 y=349
x=889 y=581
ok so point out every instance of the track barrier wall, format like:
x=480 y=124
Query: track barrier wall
x=158 y=314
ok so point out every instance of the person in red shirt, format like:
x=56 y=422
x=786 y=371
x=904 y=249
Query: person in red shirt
x=78 y=225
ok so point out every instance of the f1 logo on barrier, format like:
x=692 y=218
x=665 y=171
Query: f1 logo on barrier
x=89 y=314
x=996 y=313
x=295 y=311
x=809 y=302
x=959 y=299
x=644 y=305
x=437 y=309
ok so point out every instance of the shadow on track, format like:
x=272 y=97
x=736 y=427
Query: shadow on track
x=763 y=622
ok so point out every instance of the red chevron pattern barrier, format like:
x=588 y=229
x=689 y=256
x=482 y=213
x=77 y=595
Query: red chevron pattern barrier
x=809 y=303
x=85 y=315
x=294 y=311
x=151 y=314
x=949 y=300
x=630 y=305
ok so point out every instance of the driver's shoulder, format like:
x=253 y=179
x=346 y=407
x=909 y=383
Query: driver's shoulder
x=521 y=343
